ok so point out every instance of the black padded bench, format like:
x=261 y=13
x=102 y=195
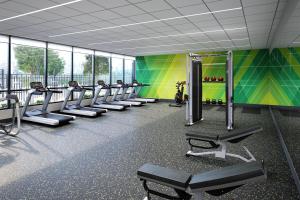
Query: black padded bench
x=215 y=182
x=219 y=141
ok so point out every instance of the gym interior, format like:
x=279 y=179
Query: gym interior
x=149 y=99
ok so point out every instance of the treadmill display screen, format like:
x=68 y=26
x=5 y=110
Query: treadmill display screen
x=101 y=82
x=73 y=84
x=36 y=85
x=119 y=82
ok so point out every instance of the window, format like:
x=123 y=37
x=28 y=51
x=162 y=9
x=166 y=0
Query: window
x=102 y=67
x=128 y=68
x=117 y=68
x=59 y=69
x=27 y=65
x=83 y=68
x=3 y=69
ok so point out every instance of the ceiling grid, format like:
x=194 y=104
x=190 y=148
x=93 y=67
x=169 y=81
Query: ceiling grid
x=135 y=27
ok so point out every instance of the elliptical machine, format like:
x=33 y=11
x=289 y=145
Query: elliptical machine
x=179 y=100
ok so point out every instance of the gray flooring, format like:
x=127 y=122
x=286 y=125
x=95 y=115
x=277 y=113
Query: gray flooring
x=288 y=121
x=97 y=158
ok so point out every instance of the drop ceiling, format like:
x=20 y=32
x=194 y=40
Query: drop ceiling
x=144 y=27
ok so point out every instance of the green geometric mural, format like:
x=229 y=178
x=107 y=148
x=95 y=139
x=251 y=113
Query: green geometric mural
x=267 y=78
x=260 y=77
x=162 y=72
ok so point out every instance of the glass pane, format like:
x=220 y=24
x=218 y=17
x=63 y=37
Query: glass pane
x=102 y=69
x=117 y=69
x=83 y=51
x=59 y=47
x=3 y=71
x=27 y=42
x=59 y=71
x=128 y=71
x=28 y=64
x=4 y=39
x=83 y=71
x=3 y=65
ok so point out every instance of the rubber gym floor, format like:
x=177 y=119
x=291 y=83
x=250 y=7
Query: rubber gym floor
x=97 y=158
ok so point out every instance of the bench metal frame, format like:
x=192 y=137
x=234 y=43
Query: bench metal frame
x=221 y=151
x=186 y=193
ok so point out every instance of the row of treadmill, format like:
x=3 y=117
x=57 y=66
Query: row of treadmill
x=121 y=97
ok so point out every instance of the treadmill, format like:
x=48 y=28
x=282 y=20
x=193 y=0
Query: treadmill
x=76 y=108
x=121 y=100
x=42 y=116
x=103 y=103
x=135 y=90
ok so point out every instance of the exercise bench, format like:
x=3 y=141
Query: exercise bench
x=215 y=182
x=218 y=143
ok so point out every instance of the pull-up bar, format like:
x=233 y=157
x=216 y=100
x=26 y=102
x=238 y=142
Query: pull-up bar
x=207 y=55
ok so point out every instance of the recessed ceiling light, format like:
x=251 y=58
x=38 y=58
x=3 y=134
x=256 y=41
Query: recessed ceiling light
x=37 y=11
x=164 y=36
x=181 y=44
x=296 y=42
x=146 y=22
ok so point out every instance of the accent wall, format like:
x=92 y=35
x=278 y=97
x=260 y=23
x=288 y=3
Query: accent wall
x=260 y=77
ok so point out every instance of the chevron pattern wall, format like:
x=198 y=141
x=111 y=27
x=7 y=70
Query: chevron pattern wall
x=162 y=72
x=260 y=77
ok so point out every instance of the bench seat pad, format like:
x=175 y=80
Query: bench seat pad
x=226 y=136
x=227 y=175
x=164 y=176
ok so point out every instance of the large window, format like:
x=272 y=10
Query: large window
x=3 y=68
x=59 y=69
x=128 y=69
x=116 y=68
x=27 y=61
x=102 y=67
x=83 y=68
x=27 y=65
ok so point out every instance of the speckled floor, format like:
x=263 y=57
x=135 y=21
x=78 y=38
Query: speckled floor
x=288 y=121
x=98 y=158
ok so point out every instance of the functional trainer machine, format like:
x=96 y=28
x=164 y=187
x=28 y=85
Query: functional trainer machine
x=186 y=185
x=76 y=108
x=13 y=127
x=103 y=103
x=42 y=116
x=217 y=144
x=135 y=90
x=194 y=88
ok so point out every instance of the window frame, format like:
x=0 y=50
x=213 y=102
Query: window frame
x=50 y=45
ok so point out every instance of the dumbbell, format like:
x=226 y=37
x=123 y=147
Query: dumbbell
x=220 y=102
x=213 y=101
x=207 y=101
x=206 y=78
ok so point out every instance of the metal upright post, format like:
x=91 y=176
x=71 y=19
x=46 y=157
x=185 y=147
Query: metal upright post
x=94 y=72
x=229 y=92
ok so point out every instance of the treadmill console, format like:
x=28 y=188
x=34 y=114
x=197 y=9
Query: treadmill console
x=101 y=82
x=37 y=85
x=120 y=82
x=73 y=84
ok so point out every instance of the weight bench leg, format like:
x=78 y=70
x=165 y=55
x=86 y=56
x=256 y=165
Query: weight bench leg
x=252 y=158
x=182 y=195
